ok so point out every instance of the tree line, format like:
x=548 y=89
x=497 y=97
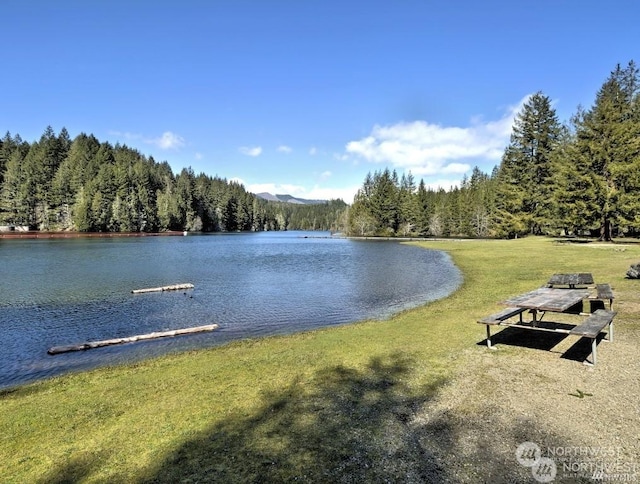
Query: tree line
x=575 y=178
x=57 y=183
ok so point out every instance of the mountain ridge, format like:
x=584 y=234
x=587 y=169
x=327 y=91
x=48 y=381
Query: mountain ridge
x=288 y=199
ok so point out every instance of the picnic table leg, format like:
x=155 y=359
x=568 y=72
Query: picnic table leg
x=594 y=344
x=610 y=335
x=489 y=337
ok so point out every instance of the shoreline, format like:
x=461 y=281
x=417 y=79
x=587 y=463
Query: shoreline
x=34 y=234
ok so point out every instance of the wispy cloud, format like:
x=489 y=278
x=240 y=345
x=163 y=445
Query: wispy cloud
x=250 y=150
x=325 y=175
x=285 y=149
x=431 y=149
x=167 y=141
x=313 y=151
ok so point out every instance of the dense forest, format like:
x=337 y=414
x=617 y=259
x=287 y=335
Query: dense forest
x=580 y=178
x=86 y=185
x=576 y=178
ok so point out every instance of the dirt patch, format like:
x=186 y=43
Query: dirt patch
x=586 y=420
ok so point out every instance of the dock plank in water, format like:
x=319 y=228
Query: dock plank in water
x=130 y=339
x=174 y=287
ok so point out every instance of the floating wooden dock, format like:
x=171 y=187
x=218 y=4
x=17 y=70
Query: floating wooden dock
x=131 y=339
x=174 y=287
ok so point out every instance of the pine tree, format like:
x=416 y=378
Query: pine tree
x=607 y=146
x=524 y=179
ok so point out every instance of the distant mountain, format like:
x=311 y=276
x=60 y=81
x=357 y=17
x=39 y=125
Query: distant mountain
x=288 y=199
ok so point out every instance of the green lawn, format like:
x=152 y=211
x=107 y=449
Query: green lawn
x=328 y=405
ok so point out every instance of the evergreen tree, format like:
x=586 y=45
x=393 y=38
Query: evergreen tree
x=523 y=192
x=13 y=198
x=7 y=147
x=608 y=149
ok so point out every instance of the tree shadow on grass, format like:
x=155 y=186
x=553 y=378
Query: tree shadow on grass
x=348 y=425
x=77 y=469
x=344 y=425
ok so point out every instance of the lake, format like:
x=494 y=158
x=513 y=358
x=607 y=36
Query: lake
x=66 y=291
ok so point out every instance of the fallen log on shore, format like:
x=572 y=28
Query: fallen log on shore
x=174 y=287
x=131 y=339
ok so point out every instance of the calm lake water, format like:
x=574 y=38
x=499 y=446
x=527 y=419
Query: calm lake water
x=64 y=291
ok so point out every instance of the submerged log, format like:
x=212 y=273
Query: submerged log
x=130 y=339
x=174 y=287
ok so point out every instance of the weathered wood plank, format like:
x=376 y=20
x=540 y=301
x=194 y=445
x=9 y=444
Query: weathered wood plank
x=549 y=299
x=604 y=291
x=571 y=280
x=497 y=318
x=130 y=339
x=594 y=324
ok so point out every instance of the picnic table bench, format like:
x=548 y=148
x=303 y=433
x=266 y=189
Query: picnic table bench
x=604 y=293
x=500 y=318
x=593 y=326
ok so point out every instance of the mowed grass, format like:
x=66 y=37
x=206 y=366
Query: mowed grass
x=331 y=405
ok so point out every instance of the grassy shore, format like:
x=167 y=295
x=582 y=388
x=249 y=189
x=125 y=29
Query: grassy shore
x=417 y=398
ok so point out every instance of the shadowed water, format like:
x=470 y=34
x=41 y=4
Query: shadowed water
x=65 y=291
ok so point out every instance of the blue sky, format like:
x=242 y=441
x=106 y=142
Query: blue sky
x=306 y=97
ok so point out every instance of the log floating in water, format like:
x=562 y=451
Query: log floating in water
x=131 y=339
x=175 y=287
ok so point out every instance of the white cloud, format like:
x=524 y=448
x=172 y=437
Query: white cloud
x=166 y=141
x=325 y=175
x=431 y=149
x=313 y=151
x=198 y=156
x=285 y=149
x=250 y=150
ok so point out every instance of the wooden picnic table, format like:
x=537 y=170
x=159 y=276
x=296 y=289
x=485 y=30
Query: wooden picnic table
x=556 y=300
x=571 y=280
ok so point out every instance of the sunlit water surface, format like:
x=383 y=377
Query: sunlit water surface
x=65 y=291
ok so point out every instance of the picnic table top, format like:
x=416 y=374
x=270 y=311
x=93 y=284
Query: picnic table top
x=549 y=299
x=571 y=280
